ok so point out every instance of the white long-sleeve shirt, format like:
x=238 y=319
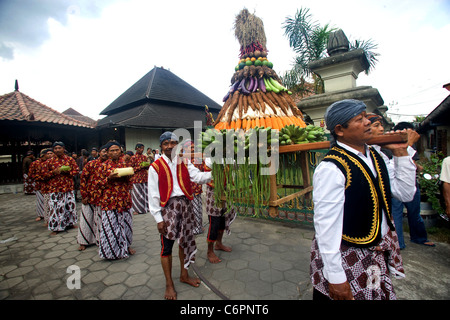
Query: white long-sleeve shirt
x=329 y=198
x=153 y=190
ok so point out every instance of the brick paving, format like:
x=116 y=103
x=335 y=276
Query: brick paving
x=269 y=261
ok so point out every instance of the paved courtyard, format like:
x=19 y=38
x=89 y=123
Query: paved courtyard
x=269 y=261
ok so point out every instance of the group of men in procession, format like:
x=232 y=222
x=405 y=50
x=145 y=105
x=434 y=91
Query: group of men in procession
x=355 y=250
x=167 y=187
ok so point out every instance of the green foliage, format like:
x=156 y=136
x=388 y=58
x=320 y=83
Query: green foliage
x=419 y=118
x=368 y=46
x=430 y=187
x=309 y=41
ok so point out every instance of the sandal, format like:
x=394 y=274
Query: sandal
x=429 y=244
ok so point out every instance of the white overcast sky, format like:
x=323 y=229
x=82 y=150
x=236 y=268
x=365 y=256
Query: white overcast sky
x=83 y=54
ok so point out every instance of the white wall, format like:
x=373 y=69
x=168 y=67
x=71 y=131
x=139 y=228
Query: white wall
x=149 y=137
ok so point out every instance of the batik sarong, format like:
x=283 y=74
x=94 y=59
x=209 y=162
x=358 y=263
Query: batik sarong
x=214 y=211
x=367 y=269
x=28 y=184
x=62 y=211
x=98 y=223
x=46 y=206
x=40 y=211
x=179 y=219
x=87 y=227
x=116 y=234
x=139 y=198
x=197 y=207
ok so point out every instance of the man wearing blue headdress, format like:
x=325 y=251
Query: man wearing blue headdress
x=355 y=248
x=170 y=198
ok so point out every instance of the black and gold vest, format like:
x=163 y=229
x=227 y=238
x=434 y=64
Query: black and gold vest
x=365 y=197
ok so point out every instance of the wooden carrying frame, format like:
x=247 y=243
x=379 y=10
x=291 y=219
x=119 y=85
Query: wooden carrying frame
x=307 y=188
x=303 y=149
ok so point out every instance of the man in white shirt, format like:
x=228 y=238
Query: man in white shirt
x=169 y=196
x=355 y=245
x=445 y=179
x=157 y=154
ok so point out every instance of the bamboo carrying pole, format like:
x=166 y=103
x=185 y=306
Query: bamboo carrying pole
x=388 y=138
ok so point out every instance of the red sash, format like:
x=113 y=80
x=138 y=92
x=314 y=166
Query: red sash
x=165 y=180
x=207 y=169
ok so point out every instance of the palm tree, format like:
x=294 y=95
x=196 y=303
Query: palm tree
x=368 y=46
x=309 y=41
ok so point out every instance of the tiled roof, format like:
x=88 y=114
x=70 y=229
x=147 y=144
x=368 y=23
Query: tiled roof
x=160 y=85
x=78 y=116
x=157 y=115
x=18 y=106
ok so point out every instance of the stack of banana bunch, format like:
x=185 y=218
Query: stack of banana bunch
x=296 y=135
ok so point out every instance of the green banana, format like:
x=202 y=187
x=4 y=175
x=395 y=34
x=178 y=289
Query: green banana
x=269 y=84
x=276 y=84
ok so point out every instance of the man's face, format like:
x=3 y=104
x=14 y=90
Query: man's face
x=377 y=128
x=167 y=146
x=94 y=153
x=358 y=131
x=48 y=155
x=139 y=150
x=114 y=152
x=58 y=150
x=103 y=154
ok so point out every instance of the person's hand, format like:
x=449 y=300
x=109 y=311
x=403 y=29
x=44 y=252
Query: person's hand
x=341 y=291
x=400 y=149
x=57 y=170
x=413 y=137
x=162 y=228
x=84 y=201
x=113 y=175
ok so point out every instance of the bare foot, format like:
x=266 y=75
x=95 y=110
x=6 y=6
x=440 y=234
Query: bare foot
x=82 y=248
x=131 y=251
x=213 y=258
x=170 y=293
x=195 y=282
x=38 y=219
x=54 y=233
x=220 y=246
